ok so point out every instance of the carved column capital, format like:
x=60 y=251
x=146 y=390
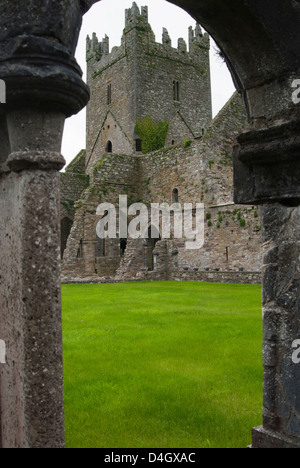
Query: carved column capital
x=37 y=46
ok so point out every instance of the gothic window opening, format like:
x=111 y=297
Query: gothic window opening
x=109 y=147
x=175 y=196
x=176 y=91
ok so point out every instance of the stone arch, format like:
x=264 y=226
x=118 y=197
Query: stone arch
x=175 y=195
x=260 y=42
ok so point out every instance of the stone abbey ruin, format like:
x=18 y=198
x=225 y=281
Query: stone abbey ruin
x=260 y=42
x=195 y=164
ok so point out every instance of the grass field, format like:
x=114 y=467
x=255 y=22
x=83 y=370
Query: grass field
x=162 y=365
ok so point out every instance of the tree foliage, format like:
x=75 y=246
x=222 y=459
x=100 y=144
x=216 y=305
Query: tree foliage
x=152 y=134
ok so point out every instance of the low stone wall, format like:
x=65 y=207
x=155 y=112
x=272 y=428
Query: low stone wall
x=230 y=277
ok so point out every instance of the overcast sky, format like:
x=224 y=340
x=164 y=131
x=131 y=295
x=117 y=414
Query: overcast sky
x=108 y=17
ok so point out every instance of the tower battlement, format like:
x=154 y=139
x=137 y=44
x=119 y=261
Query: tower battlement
x=95 y=48
x=137 y=20
x=134 y=16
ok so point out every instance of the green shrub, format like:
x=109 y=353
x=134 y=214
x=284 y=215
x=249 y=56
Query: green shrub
x=152 y=134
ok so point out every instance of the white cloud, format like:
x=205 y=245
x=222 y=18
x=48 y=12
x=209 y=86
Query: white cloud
x=108 y=17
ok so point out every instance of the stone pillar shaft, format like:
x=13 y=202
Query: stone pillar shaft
x=281 y=321
x=31 y=381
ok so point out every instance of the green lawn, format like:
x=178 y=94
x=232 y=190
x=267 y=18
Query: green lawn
x=162 y=365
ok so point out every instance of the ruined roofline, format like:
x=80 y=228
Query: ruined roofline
x=219 y=117
x=135 y=19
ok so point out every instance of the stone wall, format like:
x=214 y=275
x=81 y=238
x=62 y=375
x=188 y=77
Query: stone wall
x=201 y=172
x=72 y=183
x=110 y=176
x=200 y=276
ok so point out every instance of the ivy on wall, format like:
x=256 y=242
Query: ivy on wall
x=152 y=134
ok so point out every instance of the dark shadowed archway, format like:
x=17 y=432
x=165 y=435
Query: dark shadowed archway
x=261 y=43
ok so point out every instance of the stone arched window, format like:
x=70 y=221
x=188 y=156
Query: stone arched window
x=109 y=147
x=176 y=90
x=175 y=196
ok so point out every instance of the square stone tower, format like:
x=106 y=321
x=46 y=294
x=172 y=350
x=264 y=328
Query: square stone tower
x=144 y=78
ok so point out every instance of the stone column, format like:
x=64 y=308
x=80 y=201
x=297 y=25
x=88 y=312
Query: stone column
x=44 y=86
x=281 y=317
x=32 y=412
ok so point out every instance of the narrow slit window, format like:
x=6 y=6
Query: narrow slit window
x=176 y=90
x=109 y=94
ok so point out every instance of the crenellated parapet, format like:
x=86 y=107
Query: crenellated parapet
x=134 y=16
x=137 y=29
x=198 y=40
x=95 y=48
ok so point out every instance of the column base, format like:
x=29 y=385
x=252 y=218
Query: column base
x=261 y=438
